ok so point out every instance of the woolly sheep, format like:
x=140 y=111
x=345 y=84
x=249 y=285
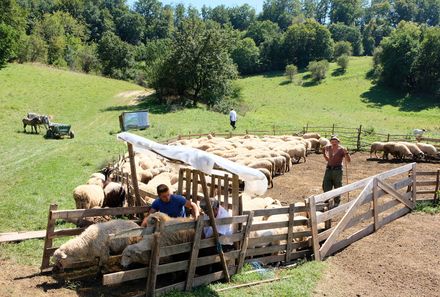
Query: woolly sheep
x=114 y=195
x=140 y=252
x=397 y=150
x=298 y=152
x=323 y=141
x=428 y=149
x=376 y=147
x=163 y=178
x=414 y=149
x=88 y=196
x=262 y=164
x=94 y=243
x=97 y=179
x=268 y=176
x=311 y=135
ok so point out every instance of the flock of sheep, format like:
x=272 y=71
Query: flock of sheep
x=405 y=150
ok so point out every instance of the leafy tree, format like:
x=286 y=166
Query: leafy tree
x=428 y=12
x=247 y=56
x=130 y=27
x=309 y=9
x=345 y=11
x=7 y=41
x=272 y=53
x=307 y=41
x=373 y=34
x=281 y=12
x=116 y=56
x=318 y=69
x=341 y=32
x=242 y=17
x=343 y=61
x=426 y=67
x=290 y=72
x=158 y=19
x=399 y=51
x=404 y=10
x=219 y=14
x=32 y=49
x=199 y=66
x=261 y=31
x=342 y=48
x=322 y=11
x=87 y=58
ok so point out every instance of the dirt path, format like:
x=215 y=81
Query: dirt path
x=401 y=259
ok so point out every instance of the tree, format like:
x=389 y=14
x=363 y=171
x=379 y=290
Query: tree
x=399 y=52
x=272 y=53
x=373 y=34
x=261 y=31
x=7 y=41
x=318 y=69
x=309 y=9
x=199 y=67
x=304 y=42
x=341 y=32
x=404 y=10
x=291 y=71
x=428 y=12
x=242 y=17
x=32 y=49
x=322 y=11
x=130 y=27
x=115 y=56
x=342 y=48
x=345 y=11
x=247 y=56
x=343 y=61
x=281 y=12
x=426 y=67
x=87 y=58
x=219 y=14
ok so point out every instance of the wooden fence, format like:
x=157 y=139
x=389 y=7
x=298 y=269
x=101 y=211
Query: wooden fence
x=428 y=183
x=380 y=200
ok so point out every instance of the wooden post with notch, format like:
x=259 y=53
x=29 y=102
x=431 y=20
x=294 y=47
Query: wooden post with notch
x=194 y=254
x=154 y=262
x=48 y=241
x=188 y=183
x=245 y=241
x=214 y=226
x=314 y=227
x=375 y=204
x=290 y=232
x=195 y=186
x=437 y=186
x=134 y=180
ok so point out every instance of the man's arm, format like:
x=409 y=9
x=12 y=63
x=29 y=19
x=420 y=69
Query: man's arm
x=144 y=222
x=194 y=209
x=347 y=156
x=324 y=153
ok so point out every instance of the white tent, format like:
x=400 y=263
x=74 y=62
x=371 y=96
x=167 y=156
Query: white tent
x=254 y=180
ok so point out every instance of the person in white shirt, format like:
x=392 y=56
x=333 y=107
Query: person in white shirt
x=219 y=213
x=233 y=118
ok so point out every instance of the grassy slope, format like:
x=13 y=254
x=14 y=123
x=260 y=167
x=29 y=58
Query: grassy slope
x=35 y=171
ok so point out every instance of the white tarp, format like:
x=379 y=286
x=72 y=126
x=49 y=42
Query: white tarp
x=254 y=180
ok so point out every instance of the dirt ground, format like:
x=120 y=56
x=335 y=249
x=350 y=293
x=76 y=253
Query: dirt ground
x=305 y=179
x=398 y=260
x=401 y=259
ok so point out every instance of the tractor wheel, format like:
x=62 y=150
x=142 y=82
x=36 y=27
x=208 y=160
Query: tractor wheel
x=49 y=134
x=71 y=134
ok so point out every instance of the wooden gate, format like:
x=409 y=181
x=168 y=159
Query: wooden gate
x=378 y=203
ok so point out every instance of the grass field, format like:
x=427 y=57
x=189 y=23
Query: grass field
x=36 y=171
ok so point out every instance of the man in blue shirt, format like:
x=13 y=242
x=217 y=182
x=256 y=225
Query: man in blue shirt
x=172 y=205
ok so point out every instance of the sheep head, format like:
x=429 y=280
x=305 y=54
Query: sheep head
x=157 y=217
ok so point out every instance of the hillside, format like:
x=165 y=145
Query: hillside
x=36 y=171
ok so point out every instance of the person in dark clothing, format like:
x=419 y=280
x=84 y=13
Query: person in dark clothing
x=334 y=154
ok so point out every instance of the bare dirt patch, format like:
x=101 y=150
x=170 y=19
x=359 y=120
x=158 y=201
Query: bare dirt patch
x=398 y=260
x=305 y=179
x=135 y=97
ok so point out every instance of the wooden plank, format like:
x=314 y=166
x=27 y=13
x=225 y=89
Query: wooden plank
x=195 y=186
x=344 y=221
x=66 y=232
x=180 y=183
x=290 y=232
x=219 y=190
x=352 y=238
x=83 y=213
x=133 y=173
x=48 y=242
x=375 y=204
x=270 y=211
x=426 y=183
x=235 y=195
x=428 y=173
x=177 y=286
x=188 y=183
x=207 y=260
x=194 y=254
x=124 y=276
x=226 y=192
x=207 y=279
x=20 y=236
x=244 y=242
x=133 y=232
x=437 y=186
x=414 y=186
x=212 y=187
x=227 y=221
x=314 y=228
x=255 y=241
x=153 y=268
x=387 y=188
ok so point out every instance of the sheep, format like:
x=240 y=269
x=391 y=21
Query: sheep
x=428 y=149
x=376 y=147
x=163 y=178
x=97 y=179
x=388 y=148
x=297 y=152
x=414 y=149
x=311 y=135
x=140 y=252
x=145 y=176
x=323 y=142
x=268 y=176
x=398 y=150
x=114 y=195
x=94 y=243
x=262 y=164
x=88 y=196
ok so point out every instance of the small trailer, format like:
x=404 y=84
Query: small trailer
x=56 y=130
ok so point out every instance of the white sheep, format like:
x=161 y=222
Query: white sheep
x=297 y=152
x=323 y=142
x=94 y=243
x=88 y=196
x=97 y=179
x=428 y=149
x=414 y=149
x=311 y=135
x=376 y=147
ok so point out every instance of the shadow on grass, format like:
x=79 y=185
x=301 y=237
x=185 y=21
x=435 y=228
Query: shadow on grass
x=310 y=83
x=150 y=103
x=285 y=82
x=378 y=96
x=273 y=74
x=338 y=72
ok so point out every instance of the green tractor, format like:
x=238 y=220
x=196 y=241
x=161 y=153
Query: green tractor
x=55 y=130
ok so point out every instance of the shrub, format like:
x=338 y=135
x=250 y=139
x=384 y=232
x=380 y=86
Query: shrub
x=342 y=62
x=318 y=69
x=291 y=71
x=342 y=48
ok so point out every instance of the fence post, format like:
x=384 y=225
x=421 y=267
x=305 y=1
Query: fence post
x=414 y=183
x=48 y=240
x=333 y=129
x=375 y=205
x=247 y=132
x=245 y=241
x=290 y=232
x=194 y=254
x=273 y=129
x=154 y=262
x=388 y=137
x=358 y=144
x=307 y=127
x=314 y=227
x=134 y=179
